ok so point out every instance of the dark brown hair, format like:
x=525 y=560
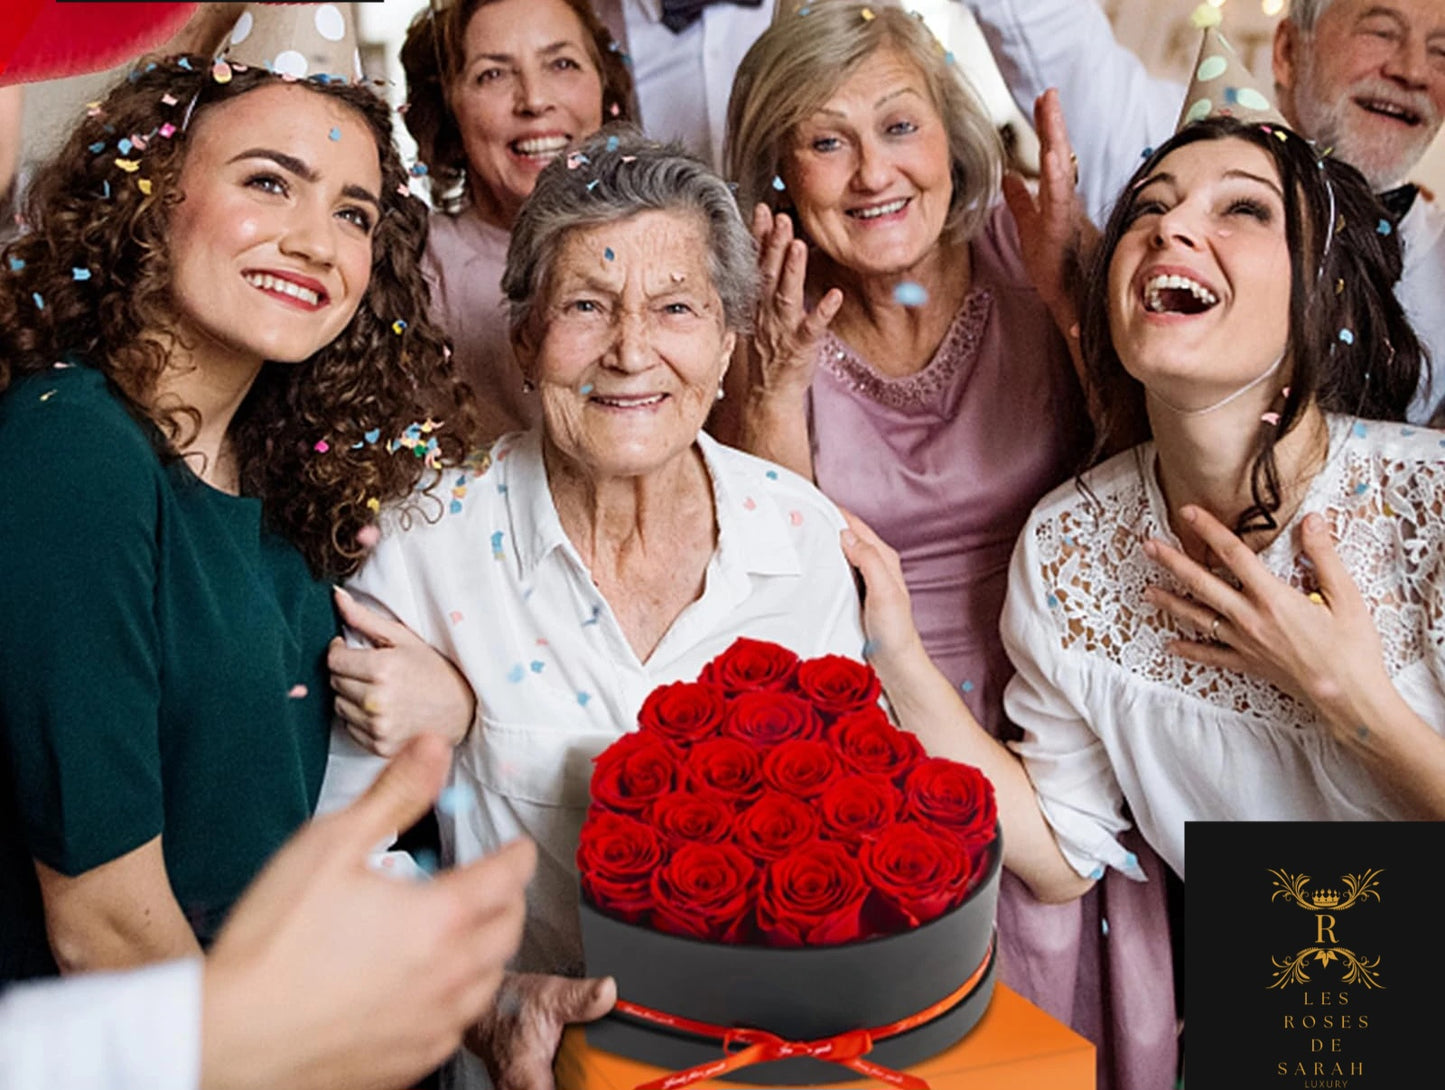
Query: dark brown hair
x=433 y=56
x=1349 y=347
x=316 y=441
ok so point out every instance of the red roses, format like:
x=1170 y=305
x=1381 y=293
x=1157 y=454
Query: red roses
x=772 y=801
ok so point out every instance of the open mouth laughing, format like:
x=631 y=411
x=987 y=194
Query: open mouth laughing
x=1392 y=111
x=1171 y=293
x=539 y=149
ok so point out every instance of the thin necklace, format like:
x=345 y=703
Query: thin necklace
x=1225 y=400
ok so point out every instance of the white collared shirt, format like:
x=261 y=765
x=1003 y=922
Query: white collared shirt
x=495 y=584
x=683 y=80
x=136 y=1030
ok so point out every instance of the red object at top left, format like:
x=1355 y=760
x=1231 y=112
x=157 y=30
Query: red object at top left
x=46 y=39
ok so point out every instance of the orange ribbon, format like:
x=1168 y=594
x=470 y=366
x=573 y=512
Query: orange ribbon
x=760 y=1046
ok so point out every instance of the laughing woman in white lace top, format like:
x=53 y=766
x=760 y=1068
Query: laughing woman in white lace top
x=1242 y=618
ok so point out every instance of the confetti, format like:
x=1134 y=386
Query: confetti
x=612 y=143
x=398 y=327
x=596 y=616
x=1316 y=598
x=1385 y=227
x=39 y=300
x=608 y=254
x=583 y=697
x=334 y=134
x=455 y=507
x=1146 y=153
x=966 y=687
x=771 y=474
x=168 y=99
x=369 y=535
x=516 y=673
x=130 y=166
x=97 y=148
x=1270 y=418
x=373 y=504
x=455 y=799
x=750 y=504
x=536 y=666
x=949 y=58
x=122 y=145
x=80 y=274
x=778 y=183
x=185 y=63
x=297 y=692
x=1360 y=430
x=497 y=553
x=586 y=389
x=591 y=185
x=1347 y=336
x=795 y=517
x=614 y=110
x=910 y=294
x=455 y=616
x=167 y=130
x=577 y=159
x=48 y=395
x=92 y=109
x=373 y=435
x=322 y=446
x=419 y=170
x=868 y=15
x=629 y=158
x=144 y=185
x=221 y=72
x=16 y=264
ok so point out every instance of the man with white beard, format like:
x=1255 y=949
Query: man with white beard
x=1365 y=78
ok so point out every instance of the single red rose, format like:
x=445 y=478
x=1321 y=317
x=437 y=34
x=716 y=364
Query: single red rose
x=684 y=711
x=956 y=797
x=728 y=766
x=633 y=771
x=916 y=874
x=836 y=685
x=766 y=718
x=705 y=891
x=813 y=896
x=751 y=664
x=617 y=857
x=855 y=808
x=775 y=825
x=801 y=767
x=869 y=742
x=706 y=817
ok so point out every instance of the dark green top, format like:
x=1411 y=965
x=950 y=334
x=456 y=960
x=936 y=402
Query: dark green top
x=152 y=638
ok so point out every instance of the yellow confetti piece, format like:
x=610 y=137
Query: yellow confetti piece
x=868 y=15
x=1206 y=16
x=1316 y=598
x=130 y=166
x=144 y=184
x=373 y=504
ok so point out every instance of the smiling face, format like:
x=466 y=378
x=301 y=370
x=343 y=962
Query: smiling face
x=869 y=173
x=1369 y=81
x=1199 y=284
x=528 y=87
x=630 y=346
x=271 y=246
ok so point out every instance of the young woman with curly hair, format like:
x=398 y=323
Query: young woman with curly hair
x=216 y=367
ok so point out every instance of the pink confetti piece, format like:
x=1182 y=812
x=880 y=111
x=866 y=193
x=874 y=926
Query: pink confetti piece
x=168 y=99
x=368 y=536
x=297 y=692
x=750 y=504
x=795 y=517
x=167 y=130
x=322 y=446
x=1269 y=418
x=455 y=616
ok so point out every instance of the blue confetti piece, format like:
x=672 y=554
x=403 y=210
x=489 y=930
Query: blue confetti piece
x=1361 y=488
x=1361 y=431
x=455 y=507
x=1385 y=227
x=80 y=274
x=612 y=143
x=123 y=146
x=608 y=254
x=373 y=435
x=596 y=616
x=418 y=170
x=1097 y=873
x=1231 y=95
x=586 y=389
x=909 y=294
x=334 y=134
x=105 y=190
x=516 y=673
x=948 y=58
x=1347 y=336
x=97 y=147
x=591 y=185
x=497 y=544
x=501 y=489
x=583 y=697
x=1069 y=540
x=1053 y=602
x=1131 y=860
x=39 y=300
x=1407 y=432
x=536 y=666
x=455 y=799
x=1146 y=153
x=1103 y=925
x=426 y=861
x=778 y=183
x=16 y=264
x=771 y=474
x=966 y=687
x=184 y=63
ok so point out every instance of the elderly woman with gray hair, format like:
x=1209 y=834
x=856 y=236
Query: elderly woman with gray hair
x=613 y=548
x=905 y=360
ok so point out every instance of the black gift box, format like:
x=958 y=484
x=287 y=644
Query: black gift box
x=798 y=994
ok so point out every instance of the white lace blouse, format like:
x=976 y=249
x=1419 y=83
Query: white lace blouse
x=1117 y=729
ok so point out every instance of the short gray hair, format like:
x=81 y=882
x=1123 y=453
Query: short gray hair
x=614 y=175
x=1305 y=13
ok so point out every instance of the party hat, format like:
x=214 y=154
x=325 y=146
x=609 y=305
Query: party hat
x=304 y=41
x=1222 y=85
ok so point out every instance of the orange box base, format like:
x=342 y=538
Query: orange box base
x=1015 y=1045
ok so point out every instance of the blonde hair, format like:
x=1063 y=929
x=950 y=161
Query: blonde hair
x=804 y=57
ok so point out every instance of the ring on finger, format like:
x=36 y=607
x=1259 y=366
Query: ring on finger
x=1074 y=159
x=1214 y=628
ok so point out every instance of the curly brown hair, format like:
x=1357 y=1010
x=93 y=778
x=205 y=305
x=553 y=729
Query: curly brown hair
x=432 y=57
x=323 y=443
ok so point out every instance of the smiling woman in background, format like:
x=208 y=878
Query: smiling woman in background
x=203 y=336
x=497 y=89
